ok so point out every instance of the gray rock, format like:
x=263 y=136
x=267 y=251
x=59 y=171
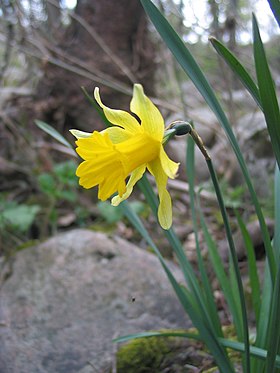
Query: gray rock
x=256 y=147
x=252 y=128
x=68 y=297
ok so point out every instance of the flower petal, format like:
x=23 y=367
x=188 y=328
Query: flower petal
x=80 y=134
x=94 y=144
x=165 y=204
x=110 y=185
x=118 y=117
x=151 y=119
x=134 y=177
x=170 y=167
x=103 y=165
x=87 y=179
x=117 y=134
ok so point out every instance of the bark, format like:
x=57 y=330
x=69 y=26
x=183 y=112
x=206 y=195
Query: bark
x=107 y=38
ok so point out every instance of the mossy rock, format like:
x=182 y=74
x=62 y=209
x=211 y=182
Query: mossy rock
x=171 y=355
x=142 y=355
x=162 y=354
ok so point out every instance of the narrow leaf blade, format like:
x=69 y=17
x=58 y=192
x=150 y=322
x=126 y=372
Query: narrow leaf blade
x=275 y=7
x=191 y=68
x=238 y=69
x=53 y=132
x=211 y=308
x=267 y=92
x=221 y=275
x=253 y=272
x=276 y=238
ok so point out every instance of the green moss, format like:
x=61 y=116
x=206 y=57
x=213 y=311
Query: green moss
x=27 y=244
x=171 y=354
x=143 y=355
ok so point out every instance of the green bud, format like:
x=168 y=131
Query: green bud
x=181 y=128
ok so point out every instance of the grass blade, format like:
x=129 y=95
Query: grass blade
x=276 y=238
x=238 y=69
x=275 y=7
x=191 y=68
x=187 y=269
x=237 y=278
x=273 y=334
x=53 y=132
x=159 y=333
x=254 y=351
x=253 y=272
x=274 y=327
x=177 y=247
x=262 y=327
x=208 y=292
x=267 y=92
x=222 y=276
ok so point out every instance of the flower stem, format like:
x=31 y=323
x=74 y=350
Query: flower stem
x=234 y=258
x=235 y=262
x=198 y=140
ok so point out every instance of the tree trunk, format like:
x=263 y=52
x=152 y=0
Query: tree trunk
x=109 y=39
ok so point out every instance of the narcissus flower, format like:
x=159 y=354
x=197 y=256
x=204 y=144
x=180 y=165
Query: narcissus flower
x=125 y=150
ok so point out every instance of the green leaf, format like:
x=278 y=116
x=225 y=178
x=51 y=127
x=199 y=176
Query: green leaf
x=276 y=238
x=218 y=267
x=19 y=217
x=47 y=183
x=175 y=243
x=52 y=132
x=254 y=351
x=273 y=333
x=66 y=173
x=236 y=282
x=267 y=92
x=211 y=308
x=111 y=214
x=253 y=271
x=275 y=7
x=272 y=337
x=180 y=334
x=262 y=327
x=238 y=69
x=67 y=195
x=189 y=65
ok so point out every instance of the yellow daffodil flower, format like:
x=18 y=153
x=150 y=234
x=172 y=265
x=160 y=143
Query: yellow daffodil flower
x=126 y=149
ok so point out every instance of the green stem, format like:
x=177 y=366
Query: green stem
x=209 y=298
x=235 y=262
x=220 y=199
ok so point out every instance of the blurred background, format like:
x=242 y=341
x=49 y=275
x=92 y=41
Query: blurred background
x=49 y=49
